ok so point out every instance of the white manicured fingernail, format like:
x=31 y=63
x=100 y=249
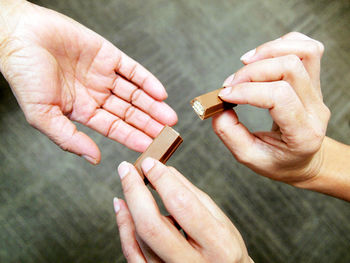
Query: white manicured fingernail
x=228 y=80
x=123 y=169
x=248 y=55
x=225 y=91
x=116 y=205
x=147 y=164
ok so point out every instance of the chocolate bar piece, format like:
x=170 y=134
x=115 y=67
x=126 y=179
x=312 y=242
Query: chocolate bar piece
x=162 y=147
x=210 y=104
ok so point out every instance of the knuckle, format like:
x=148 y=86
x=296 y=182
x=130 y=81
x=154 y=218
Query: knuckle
x=283 y=92
x=65 y=144
x=293 y=67
x=122 y=222
x=292 y=61
x=129 y=113
x=320 y=47
x=221 y=129
x=129 y=250
x=148 y=228
x=114 y=127
x=313 y=48
x=295 y=35
x=179 y=200
x=135 y=95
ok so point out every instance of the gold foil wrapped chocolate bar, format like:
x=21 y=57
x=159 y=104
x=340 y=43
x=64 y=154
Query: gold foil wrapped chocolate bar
x=210 y=104
x=162 y=147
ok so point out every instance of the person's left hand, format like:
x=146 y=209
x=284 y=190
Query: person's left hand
x=148 y=236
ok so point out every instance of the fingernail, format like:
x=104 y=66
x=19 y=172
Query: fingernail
x=228 y=80
x=147 y=164
x=116 y=205
x=123 y=169
x=225 y=91
x=248 y=55
x=90 y=159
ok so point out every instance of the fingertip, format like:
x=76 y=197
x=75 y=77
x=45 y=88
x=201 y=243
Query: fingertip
x=148 y=164
x=123 y=169
x=172 y=118
x=155 y=88
x=247 y=57
x=139 y=142
x=163 y=113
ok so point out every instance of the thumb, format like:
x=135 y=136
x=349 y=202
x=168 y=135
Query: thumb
x=51 y=121
x=236 y=137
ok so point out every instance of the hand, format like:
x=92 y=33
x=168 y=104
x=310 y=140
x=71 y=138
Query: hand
x=61 y=72
x=148 y=236
x=282 y=76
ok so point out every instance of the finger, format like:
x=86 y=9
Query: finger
x=287 y=68
x=133 y=116
x=309 y=51
x=51 y=121
x=116 y=129
x=130 y=247
x=134 y=72
x=152 y=228
x=160 y=111
x=193 y=217
x=202 y=196
x=279 y=97
x=236 y=137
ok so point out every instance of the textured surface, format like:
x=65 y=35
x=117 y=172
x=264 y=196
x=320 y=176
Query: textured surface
x=55 y=207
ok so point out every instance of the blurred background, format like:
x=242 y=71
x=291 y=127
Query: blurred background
x=55 y=207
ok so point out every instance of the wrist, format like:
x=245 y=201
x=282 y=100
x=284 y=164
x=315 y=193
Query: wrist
x=314 y=168
x=332 y=177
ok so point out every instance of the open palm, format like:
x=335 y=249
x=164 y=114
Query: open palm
x=61 y=71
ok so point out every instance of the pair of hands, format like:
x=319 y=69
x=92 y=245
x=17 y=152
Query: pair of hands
x=282 y=76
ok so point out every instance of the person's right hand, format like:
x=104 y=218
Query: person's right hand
x=60 y=71
x=282 y=76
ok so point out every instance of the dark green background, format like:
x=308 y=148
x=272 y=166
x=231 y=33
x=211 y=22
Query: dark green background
x=55 y=207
